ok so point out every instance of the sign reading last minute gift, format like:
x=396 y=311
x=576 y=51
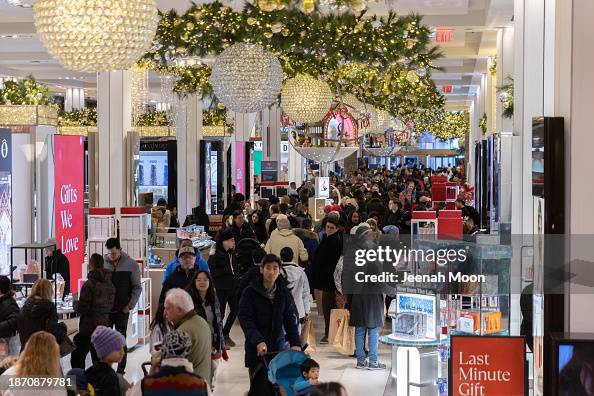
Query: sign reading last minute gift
x=487 y=366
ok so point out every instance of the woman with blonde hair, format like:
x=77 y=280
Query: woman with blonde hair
x=39 y=314
x=40 y=358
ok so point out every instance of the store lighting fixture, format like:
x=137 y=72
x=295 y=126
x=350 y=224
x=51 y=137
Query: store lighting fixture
x=246 y=78
x=306 y=99
x=96 y=35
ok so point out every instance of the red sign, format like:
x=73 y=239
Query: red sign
x=69 y=201
x=487 y=366
x=447 y=89
x=444 y=35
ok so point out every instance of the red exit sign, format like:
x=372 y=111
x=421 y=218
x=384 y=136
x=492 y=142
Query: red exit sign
x=444 y=35
x=447 y=89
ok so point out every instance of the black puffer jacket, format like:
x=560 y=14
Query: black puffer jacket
x=327 y=255
x=9 y=315
x=38 y=314
x=95 y=301
x=224 y=270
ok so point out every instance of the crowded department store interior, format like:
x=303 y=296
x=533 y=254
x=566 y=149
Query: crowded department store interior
x=296 y=197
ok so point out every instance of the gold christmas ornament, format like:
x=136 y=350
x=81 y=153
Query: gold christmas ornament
x=306 y=99
x=308 y=6
x=96 y=35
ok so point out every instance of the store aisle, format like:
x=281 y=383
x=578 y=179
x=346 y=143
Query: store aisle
x=233 y=376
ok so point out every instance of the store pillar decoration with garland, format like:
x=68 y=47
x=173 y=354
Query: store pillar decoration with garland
x=26 y=103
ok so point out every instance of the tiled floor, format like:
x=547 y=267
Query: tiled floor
x=232 y=378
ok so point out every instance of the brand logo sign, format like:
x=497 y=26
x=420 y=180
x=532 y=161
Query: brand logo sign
x=5 y=150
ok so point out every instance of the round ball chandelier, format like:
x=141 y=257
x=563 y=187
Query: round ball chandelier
x=246 y=78
x=356 y=107
x=96 y=35
x=306 y=99
x=379 y=121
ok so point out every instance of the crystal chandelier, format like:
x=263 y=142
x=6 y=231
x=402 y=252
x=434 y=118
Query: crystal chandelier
x=140 y=92
x=379 y=121
x=246 y=78
x=306 y=99
x=96 y=35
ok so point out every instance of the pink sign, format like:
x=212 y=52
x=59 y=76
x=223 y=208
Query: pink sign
x=240 y=167
x=69 y=201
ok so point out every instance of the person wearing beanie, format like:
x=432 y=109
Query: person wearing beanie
x=282 y=237
x=109 y=345
x=225 y=274
x=176 y=373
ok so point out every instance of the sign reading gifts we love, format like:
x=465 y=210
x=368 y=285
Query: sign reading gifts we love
x=69 y=201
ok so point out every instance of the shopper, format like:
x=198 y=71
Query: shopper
x=206 y=304
x=241 y=230
x=267 y=315
x=179 y=309
x=57 y=263
x=125 y=276
x=327 y=256
x=9 y=315
x=353 y=220
x=274 y=211
x=94 y=305
x=297 y=283
x=224 y=270
x=39 y=314
x=174 y=222
x=110 y=346
x=258 y=227
x=394 y=215
x=40 y=358
x=310 y=375
x=161 y=217
x=283 y=237
x=309 y=238
x=328 y=389
x=173 y=264
x=175 y=375
x=182 y=275
x=159 y=327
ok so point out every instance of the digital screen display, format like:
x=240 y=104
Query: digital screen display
x=153 y=174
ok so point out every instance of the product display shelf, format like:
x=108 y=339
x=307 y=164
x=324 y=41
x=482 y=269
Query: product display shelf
x=134 y=232
x=143 y=308
x=33 y=256
x=102 y=225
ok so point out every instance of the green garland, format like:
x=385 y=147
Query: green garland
x=154 y=118
x=506 y=95
x=386 y=61
x=444 y=125
x=25 y=92
x=483 y=123
x=83 y=117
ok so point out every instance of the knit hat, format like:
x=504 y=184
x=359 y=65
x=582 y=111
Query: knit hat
x=177 y=343
x=226 y=234
x=106 y=340
x=80 y=377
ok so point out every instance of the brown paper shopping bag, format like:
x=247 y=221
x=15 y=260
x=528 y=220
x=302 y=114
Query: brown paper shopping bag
x=344 y=340
x=337 y=316
x=308 y=337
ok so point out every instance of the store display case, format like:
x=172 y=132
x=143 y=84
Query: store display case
x=28 y=260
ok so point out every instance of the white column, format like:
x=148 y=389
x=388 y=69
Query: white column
x=114 y=120
x=505 y=69
x=188 y=133
x=271 y=124
x=74 y=99
x=295 y=166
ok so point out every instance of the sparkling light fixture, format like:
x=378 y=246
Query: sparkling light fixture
x=140 y=91
x=379 y=121
x=96 y=35
x=246 y=78
x=306 y=99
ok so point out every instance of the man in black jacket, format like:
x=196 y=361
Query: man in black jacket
x=57 y=263
x=94 y=305
x=125 y=276
x=9 y=310
x=182 y=275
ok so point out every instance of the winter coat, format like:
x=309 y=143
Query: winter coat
x=58 y=263
x=103 y=379
x=251 y=276
x=260 y=231
x=218 y=341
x=95 y=301
x=173 y=264
x=126 y=279
x=178 y=279
x=9 y=315
x=245 y=251
x=224 y=270
x=366 y=310
x=285 y=238
x=174 y=378
x=263 y=320
x=161 y=218
x=38 y=314
x=200 y=354
x=392 y=218
x=244 y=232
x=327 y=256
x=310 y=242
x=299 y=287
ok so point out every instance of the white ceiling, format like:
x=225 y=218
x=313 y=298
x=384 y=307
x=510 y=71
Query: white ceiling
x=475 y=24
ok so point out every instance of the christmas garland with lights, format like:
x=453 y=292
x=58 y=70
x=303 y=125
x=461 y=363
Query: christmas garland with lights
x=385 y=62
x=506 y=96
x=483 y=123
x=25 y=92
x=82 y=117
x=154 y=118
x=444 y=125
